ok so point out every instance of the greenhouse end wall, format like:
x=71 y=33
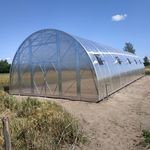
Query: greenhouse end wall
x=52 y=63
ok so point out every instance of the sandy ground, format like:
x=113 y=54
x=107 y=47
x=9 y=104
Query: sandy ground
x=116 y=123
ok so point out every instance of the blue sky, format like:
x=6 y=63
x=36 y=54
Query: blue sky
x=110 y=22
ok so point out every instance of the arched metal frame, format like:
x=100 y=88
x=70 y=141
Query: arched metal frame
x=52 y=63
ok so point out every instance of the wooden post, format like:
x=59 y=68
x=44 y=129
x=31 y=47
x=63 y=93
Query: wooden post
x=6 y=134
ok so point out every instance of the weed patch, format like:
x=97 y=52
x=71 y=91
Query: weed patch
x=146 y=135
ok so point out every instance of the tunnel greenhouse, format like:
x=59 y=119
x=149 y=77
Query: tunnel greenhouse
x=52 y=63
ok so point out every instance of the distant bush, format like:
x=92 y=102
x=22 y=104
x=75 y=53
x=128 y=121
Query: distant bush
x=39 y=125
x=146 y=61
x=4 y=66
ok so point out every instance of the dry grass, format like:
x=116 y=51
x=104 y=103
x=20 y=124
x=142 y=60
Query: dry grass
x=39 y=124
x=4 y=80
x=147 y=70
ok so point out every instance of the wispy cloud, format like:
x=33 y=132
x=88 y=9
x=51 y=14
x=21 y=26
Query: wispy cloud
x=119 y=17
x=9 y=59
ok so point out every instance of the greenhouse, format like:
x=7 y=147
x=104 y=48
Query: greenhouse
x=52 y=63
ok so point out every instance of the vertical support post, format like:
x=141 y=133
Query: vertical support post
x=106 y=87
x=59 y=76
x=6 y=134
x=31 y=67
x=44 y=69
x=19 y=72
x=78 y=79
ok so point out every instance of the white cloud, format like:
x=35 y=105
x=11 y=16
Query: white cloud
x=9 y=60
x=119 y=17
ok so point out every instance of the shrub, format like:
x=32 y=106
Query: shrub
x=4 y=66
x=146 y=135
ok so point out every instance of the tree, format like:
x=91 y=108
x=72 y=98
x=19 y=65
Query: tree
x=129 y=47
x=4 y=66
x=146 y=61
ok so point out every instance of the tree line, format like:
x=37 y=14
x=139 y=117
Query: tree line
x=129 y=48
x=5 y=66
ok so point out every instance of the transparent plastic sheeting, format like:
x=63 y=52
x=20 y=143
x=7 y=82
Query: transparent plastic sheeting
x=52 y=63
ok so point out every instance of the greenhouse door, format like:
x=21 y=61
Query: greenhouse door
x=69 y=83
x=45 y=79
x=51 y=79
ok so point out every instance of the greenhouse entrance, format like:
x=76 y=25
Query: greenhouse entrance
x=45 y=79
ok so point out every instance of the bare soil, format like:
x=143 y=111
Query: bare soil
x=115 y=123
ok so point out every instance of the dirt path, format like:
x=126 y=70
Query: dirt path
x=116 y=123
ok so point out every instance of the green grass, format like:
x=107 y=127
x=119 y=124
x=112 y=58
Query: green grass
x=146 y=135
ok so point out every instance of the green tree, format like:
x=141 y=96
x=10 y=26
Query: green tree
x=146 y=61
x=129 y=47
x=4 y=66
